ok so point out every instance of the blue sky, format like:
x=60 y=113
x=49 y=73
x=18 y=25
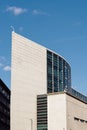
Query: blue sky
x=56 y=24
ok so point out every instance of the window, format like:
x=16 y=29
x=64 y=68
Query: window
x=75 y=118
x=81 y=120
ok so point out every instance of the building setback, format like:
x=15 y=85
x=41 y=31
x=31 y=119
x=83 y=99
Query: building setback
x=4 y=107
x=41 y=94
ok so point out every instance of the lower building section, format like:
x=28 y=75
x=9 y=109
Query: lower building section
x=61 y=111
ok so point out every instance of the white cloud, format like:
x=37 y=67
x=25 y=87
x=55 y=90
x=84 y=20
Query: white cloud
x=2 y=58
x=1 y=64
x=39 y=12
x=16 y=10
x=7 y=68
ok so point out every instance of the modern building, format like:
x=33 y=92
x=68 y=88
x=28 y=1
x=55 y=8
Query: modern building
x=41 y=93
x=4 y=107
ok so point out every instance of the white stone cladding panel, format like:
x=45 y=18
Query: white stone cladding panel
x=78 y=109
x=57 y=112
x=28 y=79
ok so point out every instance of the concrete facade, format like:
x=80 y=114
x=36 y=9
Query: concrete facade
x=76 y=114
x=28 y=80
x=57 y=112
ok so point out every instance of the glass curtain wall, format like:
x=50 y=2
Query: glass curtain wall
x=58 y=73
